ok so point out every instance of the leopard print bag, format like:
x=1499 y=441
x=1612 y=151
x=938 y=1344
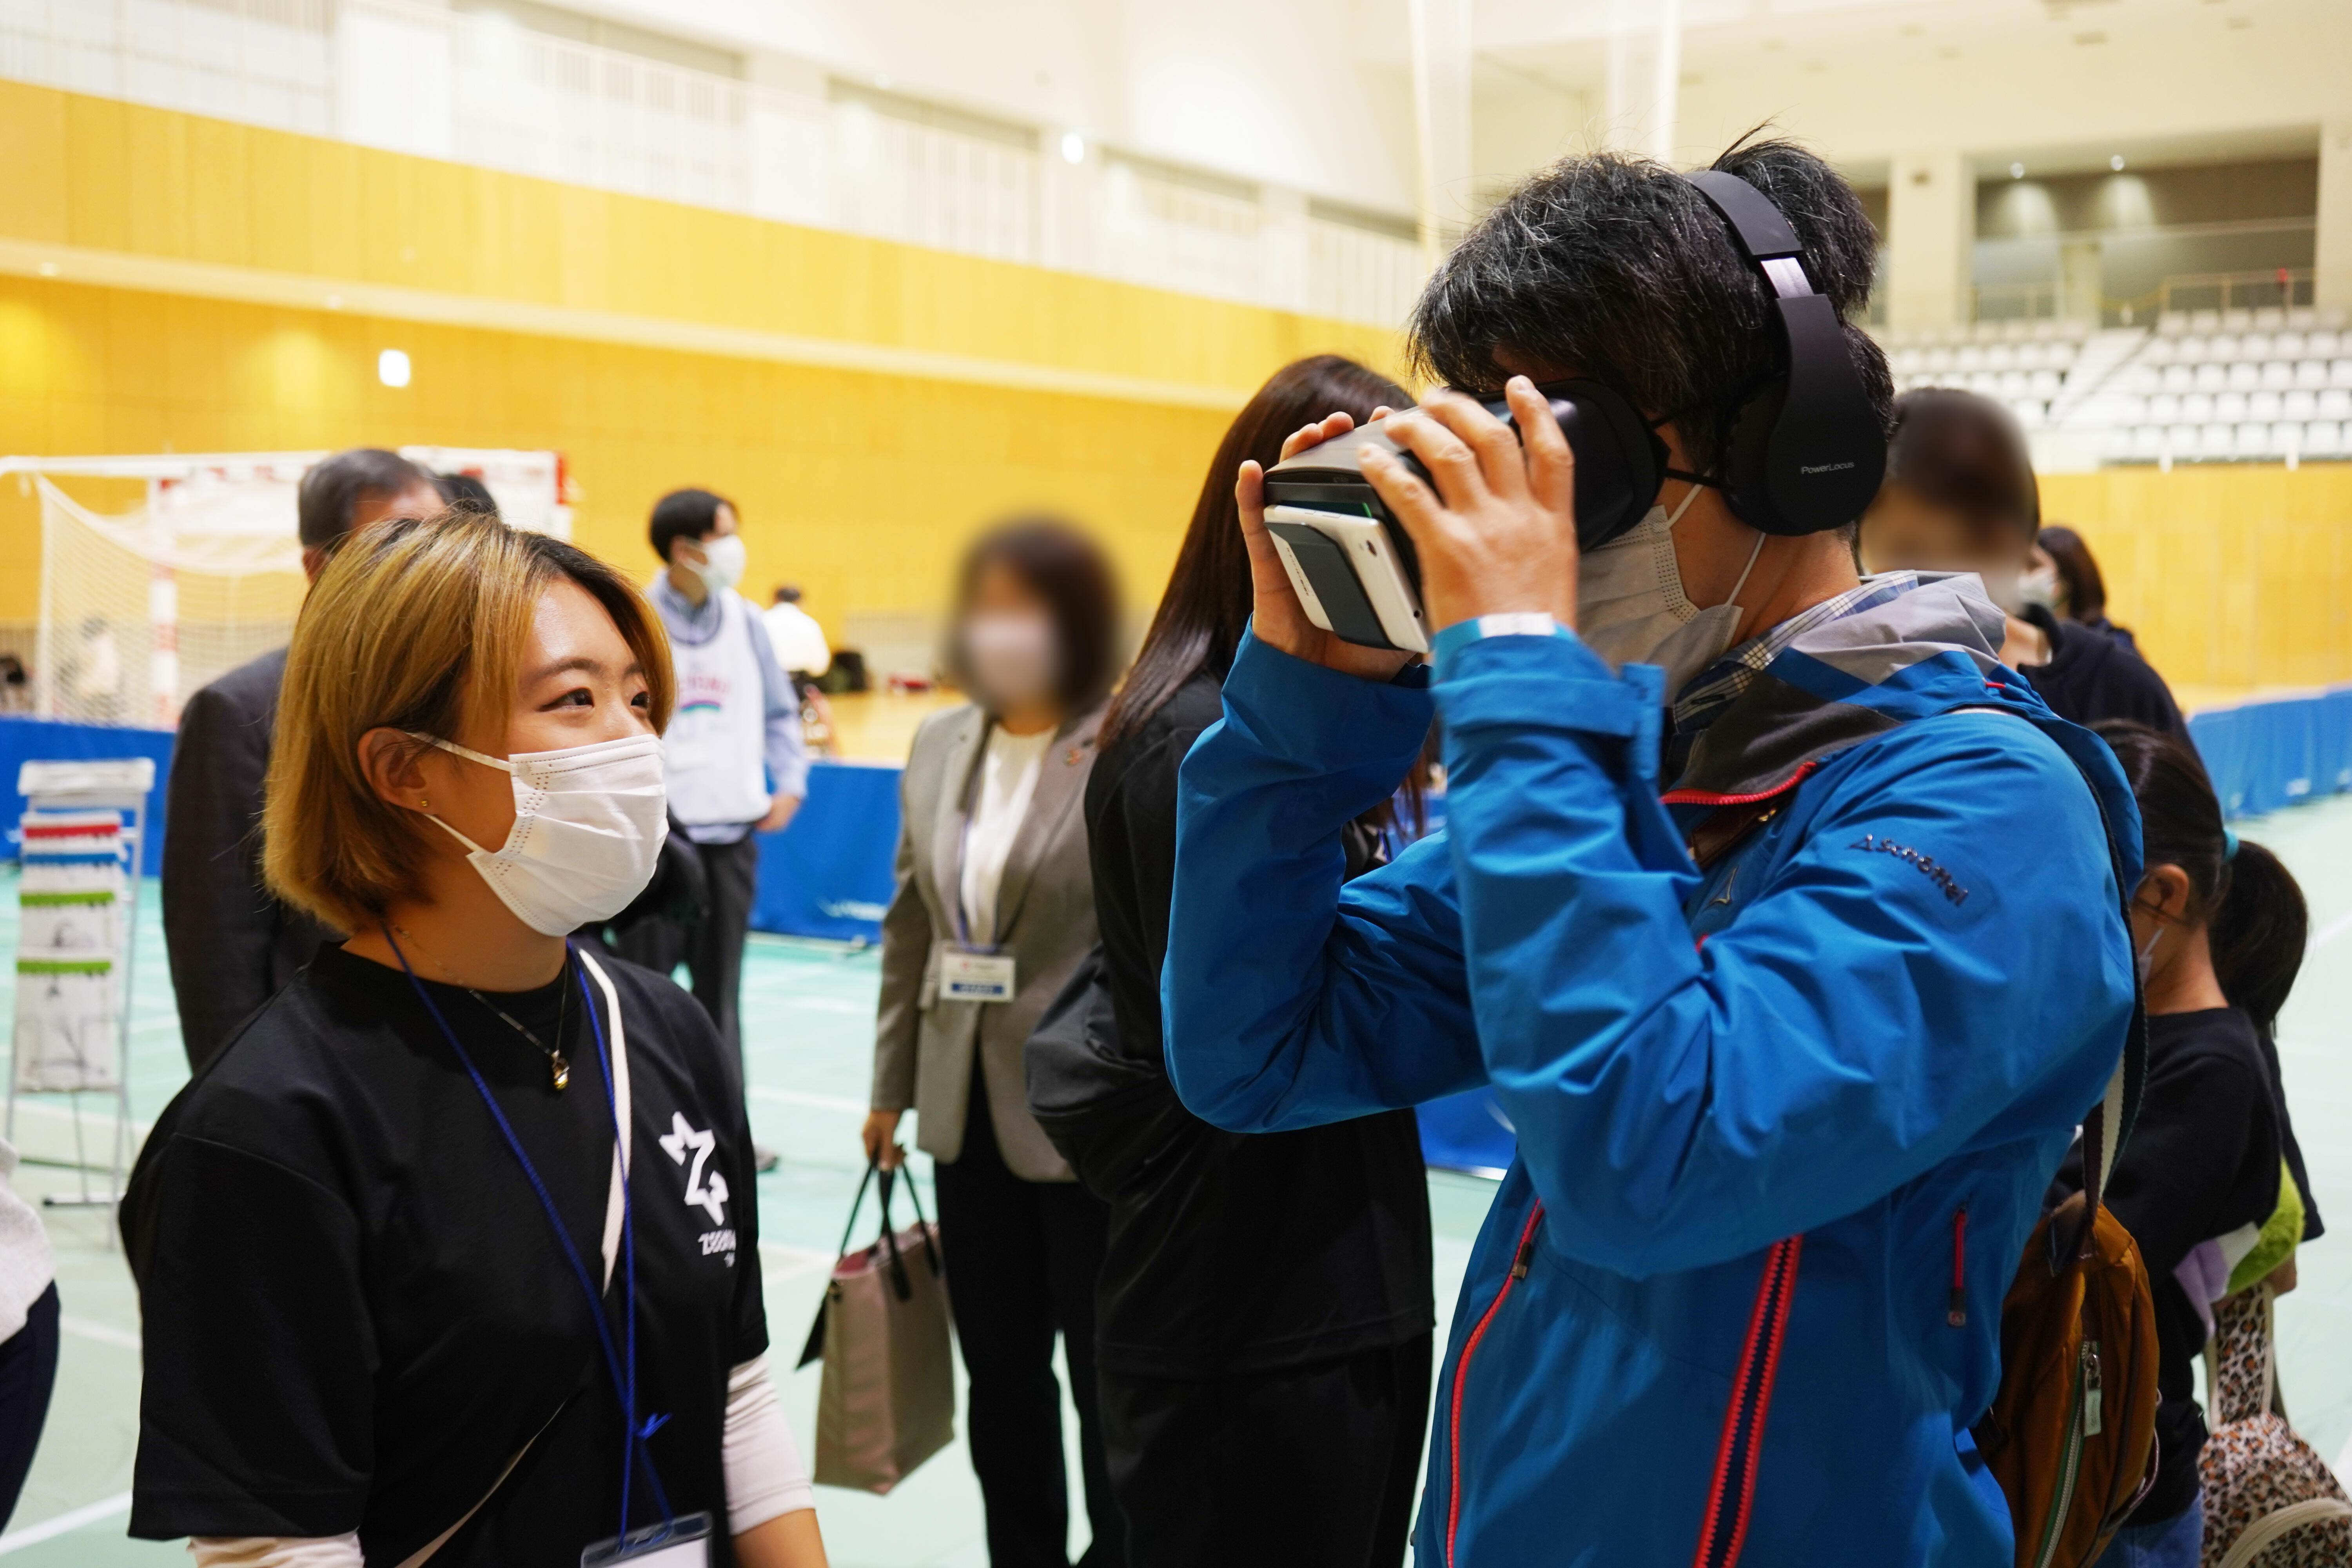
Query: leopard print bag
x=2270 y=1499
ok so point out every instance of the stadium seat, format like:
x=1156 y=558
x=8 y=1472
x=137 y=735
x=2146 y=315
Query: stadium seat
x=2237 y=321
x=2311 y=373
x=2217 y=441
x=2147 y=441
x=2245 y=375
x=2212 y=377
x=2044 y=383
x=2339 y=373
x=2336 y=403
x=2014 y=383
x=2300 y=404
x=2164 y=408
x=2196 y=407
x=2271 y=317
x=2278 y=374
x=2207 y=321
x=2171 y=323
x=2322 y=438
x=2254 y=440
x=2320 y=344
x=2262 y=405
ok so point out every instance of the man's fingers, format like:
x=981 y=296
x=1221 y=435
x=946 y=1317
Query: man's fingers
x=1449 y=459
x=1501 y=464
x=1550 y=462
x=1315 y=434
x=1408 y=500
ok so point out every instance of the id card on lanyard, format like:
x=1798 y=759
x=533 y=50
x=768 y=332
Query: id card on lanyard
x=970 y=970
x=676 y=1541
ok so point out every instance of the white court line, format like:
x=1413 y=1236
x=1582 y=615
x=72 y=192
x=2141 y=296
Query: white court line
x=2330 y=931
x=64 y=1523
x=82 y=1328
x=821 y=1102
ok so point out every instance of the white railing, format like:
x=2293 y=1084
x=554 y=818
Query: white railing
x=476 y=87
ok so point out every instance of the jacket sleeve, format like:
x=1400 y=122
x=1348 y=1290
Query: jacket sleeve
x=1943 y=946
x=1290 y=999
x=907 y=940
x=219 y=922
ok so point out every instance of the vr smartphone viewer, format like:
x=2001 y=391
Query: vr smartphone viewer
x=1805 y=455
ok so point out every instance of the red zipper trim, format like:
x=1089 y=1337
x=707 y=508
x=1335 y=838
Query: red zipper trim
x=1956 y=1311
x=1519 y=1256
x=1732 y=1493
x=1703 y=798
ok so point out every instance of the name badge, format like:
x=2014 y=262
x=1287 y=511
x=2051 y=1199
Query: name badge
x=975 y=976
x=683 y=1543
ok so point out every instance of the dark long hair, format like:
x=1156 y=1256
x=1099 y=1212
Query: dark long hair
x=1070 y=572
x=2087 y=590
x=1201 y=618
x=2256 y=918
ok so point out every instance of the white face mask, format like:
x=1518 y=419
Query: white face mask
x=589 y=825
x=722 y=562
x=2039 y=588
x=1011 y=659
x=1630 y=608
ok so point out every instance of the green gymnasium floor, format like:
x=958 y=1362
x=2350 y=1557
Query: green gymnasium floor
x=810 y=1012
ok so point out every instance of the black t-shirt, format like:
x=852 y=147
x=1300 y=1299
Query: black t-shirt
x=1227 y=1252
x=356 y=1310
x=2202 y=1161
x=2092 y=676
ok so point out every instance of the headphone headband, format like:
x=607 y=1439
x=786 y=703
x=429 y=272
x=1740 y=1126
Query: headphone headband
x=1806 y=452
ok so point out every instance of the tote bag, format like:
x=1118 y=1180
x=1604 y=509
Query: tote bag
x=2270 y=1499
x=887 y=1401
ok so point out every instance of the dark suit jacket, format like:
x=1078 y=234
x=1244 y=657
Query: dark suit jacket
x=232 y=944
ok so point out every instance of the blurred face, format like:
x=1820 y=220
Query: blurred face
x=1008 y=643
x=1903 y=534
x=579 y=684
x=691 y=553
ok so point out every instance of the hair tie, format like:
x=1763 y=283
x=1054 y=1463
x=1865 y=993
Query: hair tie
x=2229 y=844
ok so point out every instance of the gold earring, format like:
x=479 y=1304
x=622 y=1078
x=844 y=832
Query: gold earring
x=424 y=804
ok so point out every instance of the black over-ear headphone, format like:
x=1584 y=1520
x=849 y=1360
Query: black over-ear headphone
x=1806 y=452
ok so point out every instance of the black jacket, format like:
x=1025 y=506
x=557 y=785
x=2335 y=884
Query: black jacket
x=232 y=944
x=2093 y=675
x=1228 y=1253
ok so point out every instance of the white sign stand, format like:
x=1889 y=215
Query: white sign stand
x=121 y=786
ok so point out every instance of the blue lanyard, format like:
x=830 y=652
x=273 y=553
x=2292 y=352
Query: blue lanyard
x=625 y=1384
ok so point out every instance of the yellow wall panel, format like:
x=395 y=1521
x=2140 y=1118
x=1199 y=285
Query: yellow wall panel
x=2232 y=575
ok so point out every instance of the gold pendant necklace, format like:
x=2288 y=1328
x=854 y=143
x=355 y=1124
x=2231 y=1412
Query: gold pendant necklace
x=558 y=1066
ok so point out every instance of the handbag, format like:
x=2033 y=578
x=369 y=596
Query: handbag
x=2269 y=1497
x=886 y=1402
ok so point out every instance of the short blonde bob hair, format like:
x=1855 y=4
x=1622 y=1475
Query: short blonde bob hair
x=416 y=626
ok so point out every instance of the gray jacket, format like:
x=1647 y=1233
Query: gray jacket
x=924 y=1048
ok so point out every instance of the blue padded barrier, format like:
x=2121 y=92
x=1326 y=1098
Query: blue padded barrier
x=2271 y=753
x=829 y=874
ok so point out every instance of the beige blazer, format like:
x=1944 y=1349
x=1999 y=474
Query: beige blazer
x=924 y=1048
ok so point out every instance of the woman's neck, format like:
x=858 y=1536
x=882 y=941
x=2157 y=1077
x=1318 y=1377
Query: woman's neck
x=2187 y=983
x=462 y=935
x=1029 y=719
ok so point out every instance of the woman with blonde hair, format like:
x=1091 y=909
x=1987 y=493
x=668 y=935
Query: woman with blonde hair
x=451 y=1253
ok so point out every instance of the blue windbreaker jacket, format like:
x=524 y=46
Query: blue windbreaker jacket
x=1768 y=1117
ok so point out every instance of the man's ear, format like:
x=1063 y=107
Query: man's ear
x=391 y=762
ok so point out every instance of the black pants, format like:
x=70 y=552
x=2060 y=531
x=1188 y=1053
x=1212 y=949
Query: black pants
x=28 y=1370
x=711 y=950
x=1304 y=1466
x=1021 y=1259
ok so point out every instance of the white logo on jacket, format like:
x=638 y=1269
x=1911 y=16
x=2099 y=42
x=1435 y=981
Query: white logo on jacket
x=710 y=1194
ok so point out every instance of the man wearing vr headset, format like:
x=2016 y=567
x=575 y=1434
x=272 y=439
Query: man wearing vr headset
x=1736 y=909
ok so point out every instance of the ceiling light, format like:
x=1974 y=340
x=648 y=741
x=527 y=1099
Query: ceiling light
x=1074 y=147
x=49 y=270
x=2116 y=163
x=334 y=302
x=2016 y=171
x=392 y=367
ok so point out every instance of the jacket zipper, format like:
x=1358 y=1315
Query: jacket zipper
x=1731 y=1495
x=2070 y=1466
x=1519 y=1260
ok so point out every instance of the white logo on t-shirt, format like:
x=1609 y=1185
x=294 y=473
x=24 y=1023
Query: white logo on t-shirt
x=710 y=1194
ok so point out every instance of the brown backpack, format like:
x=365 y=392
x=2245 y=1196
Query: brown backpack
x=2072 y=1433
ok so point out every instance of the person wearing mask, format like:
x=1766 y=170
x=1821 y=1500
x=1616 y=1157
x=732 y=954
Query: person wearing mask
x=453 y=1248
x=1264 y=1316
x=736 y=764
x=230 y=943
x=2063 y=577
x=1960 y=495
x=797 y=637
x=1709 y=1309
x=2205 y=1166
x=993 y=910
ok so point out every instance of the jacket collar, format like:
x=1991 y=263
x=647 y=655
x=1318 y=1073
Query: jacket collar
x=1060 y=782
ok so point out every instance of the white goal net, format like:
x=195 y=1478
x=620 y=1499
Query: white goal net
x=139 y=609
